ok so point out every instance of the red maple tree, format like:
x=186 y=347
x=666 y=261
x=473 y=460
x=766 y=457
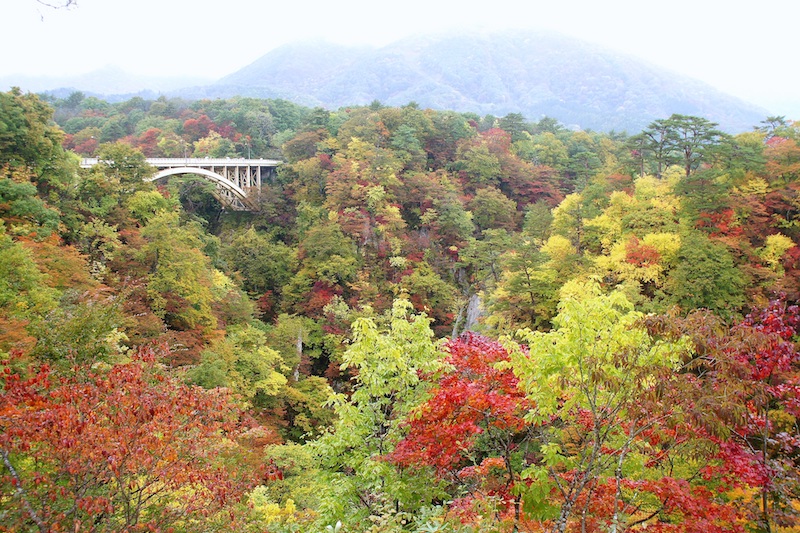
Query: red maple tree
x=471 y=431
x=119 y=449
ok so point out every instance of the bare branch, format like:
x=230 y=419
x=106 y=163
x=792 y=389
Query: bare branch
x=21 y=492
x=61 y=4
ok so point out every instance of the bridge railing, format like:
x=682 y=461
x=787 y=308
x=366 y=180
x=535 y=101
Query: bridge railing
x=216 y=162
x=196 y=162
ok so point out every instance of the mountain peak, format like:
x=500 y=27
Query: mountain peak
x=490 y=72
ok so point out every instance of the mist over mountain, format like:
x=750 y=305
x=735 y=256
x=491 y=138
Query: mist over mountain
x=535 y=74
x=108 y=81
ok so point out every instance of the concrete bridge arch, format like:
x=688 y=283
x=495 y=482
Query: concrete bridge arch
x=238 y=180
x=227 y=192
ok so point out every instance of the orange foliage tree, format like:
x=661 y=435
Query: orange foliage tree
x=119 y=449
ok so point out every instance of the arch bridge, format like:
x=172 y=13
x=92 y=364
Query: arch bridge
x=238 y=181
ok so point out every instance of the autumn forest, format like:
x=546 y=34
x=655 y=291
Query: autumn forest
x=433 y=322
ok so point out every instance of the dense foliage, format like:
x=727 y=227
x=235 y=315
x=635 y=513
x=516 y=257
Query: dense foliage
x=434 y=322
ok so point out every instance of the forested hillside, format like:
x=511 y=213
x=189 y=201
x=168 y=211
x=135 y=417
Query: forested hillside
x=534 y=73
x=436 y=321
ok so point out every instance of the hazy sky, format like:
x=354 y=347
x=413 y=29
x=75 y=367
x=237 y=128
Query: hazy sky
x=748 y=49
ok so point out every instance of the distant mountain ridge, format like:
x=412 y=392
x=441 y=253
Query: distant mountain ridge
x=535 y=74
x=107 y=81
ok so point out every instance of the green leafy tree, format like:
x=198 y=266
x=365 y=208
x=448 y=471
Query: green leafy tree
x=243 y=363
x=180 y=283
x=82 y=330
x=482 y=256
x=705 y=277
x=144 y=205
x=526 y=293
x=694 y=139
x=568 y=220
x=597 y=382
x=214 y=145
x=387 y=364
x=101 y=243
x=480 y=165
x=307 y=412
x=543 y=149
x=584 y=159
x=286 y=115
x=448 y=128
x=302 y=343
x=448 y=217
x=24 y=210
x=406 y=141
x=27 y=135
x=24 y=293
x=265 y=264
x=113 y=129
x=514 y=123
x=30 y=146
x=679 y=139
x=294 y=477
x=491 y=209
x=328 y=263
x=703 y=193
x=429 y=293
x=97 y=193
x=538 y=220
x=307 y=177
x=653 y=143
x=125 y=164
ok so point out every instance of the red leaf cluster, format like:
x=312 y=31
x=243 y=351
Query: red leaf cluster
x=472 y=400
x=641 y=255
x=113 y=447
x=720 y=224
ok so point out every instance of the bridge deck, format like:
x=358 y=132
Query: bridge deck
x=201 y=162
